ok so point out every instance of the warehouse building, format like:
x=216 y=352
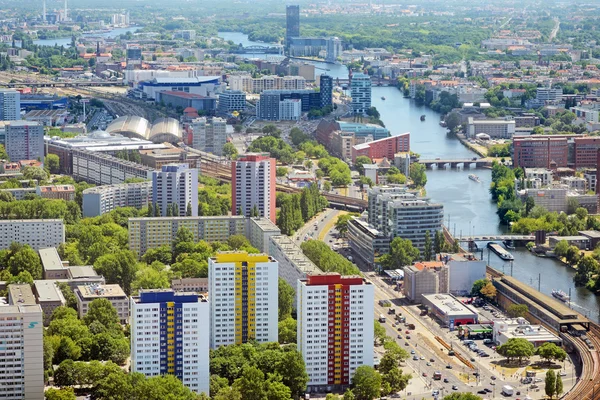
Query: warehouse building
x=449 y=311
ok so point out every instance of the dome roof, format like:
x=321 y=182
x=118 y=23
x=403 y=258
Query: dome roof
x=99 y=134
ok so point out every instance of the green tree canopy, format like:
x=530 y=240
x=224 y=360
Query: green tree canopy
x=402 y=253
x=366 y=383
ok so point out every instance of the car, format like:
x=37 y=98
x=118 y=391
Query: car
x=533 y=386
x=431 y=360
x=415 y=358
x=435 y=392
x=446 y=380
x=484 y=355
x=425 y=374
x=472 y=359
x=475 y=373
x=488 y=390
x=428 y=364
x=394 y=324
x=492 y=383
x=482 y=391
x=422 y=358
x=406 y=343
x=493 y=377
x=399 y=336
x=407 y=332
x=538 y=380
x=562 y=373
x=412 y=352
x=448 y=366
x=408 y=336
x=454 y=387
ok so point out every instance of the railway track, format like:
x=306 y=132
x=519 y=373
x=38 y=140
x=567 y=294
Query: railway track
x=590 y=374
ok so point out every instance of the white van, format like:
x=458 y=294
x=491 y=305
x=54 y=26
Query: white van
x=507 y=390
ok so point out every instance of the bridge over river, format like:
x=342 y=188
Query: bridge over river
x=456 y=163
x=494 y=238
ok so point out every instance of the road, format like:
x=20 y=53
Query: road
x=554 y=30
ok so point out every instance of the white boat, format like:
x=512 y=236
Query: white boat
x=474 y=177
x=559 y=294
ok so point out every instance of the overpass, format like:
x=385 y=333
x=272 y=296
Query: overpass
x=493 y=238
x=64 y=84
x=455 y=163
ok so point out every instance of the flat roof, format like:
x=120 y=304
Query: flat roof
x=50 y=259
x=95 y=291
x=525 y=331
x=82 y=271
x=591 y=234
x=48 y=291
x=21 y=294
x=20 y=309
x=448 y=304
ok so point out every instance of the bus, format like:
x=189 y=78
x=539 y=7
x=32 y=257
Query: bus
x=382 y=319
x=437 y=376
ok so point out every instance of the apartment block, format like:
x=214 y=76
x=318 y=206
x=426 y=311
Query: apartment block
x=100 y=200
x=248 y=84
x=335 y=328
x=231 y=100
x=56 y=192
x=10 y=105
x=175 y=184
x=37 y=233
x=360 y=91
x=103 y=169
x=383 y=148
x=24 y=140
x=253 y=185
x=244 y=303
x=22 y=360
x=149 y=233
x=209 y=136
x=87 y=293
x=196 y=285
x=429 y=277
x=169 y=336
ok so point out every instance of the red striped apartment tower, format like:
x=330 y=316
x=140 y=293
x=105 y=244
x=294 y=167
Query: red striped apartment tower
x=253 y=186
x=335 y=328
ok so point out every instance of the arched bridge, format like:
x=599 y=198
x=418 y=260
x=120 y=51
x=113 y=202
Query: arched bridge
x=455 y=163
x=493 y=238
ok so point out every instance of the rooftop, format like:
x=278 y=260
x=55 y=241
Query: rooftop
x=50 y=259
x=20 y=309
x=185 y=95
x=590 y=234
x=20 y=294
x=57 y=188
x=95 y=291
x=82 y=271
x=448 y=304
x=48 y=291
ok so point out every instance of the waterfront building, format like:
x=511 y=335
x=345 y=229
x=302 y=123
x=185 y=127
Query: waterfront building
x=37 y=233
x=383 y=148
x=175 y=184
x=100 y=200
x=495 y=128
x=334 y=49
x=208 y=135
x=430 y=277
x=22 y=364
x=360 y=91
x=248 y=84
x=268 y=107
x=10 y=105
x=540 y=151
x=24 y=140
x=292 y=28
x=244 y=303
x=231 y=100
x=169 y=336
x=335 y=328
x=85 y=294
x=253 y=185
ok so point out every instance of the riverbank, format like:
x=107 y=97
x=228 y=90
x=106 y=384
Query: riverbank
x=480 y=150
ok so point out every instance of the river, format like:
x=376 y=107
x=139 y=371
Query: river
x=467 y=204
x=66 y=41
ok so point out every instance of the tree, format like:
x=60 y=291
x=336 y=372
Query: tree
x=366 y=383
x=3 y=153
x=517 y=310
x=188 y=210
x=162 y=254
x=462 y=396
x=326 y=186
x=558 y=388
x=104 y=312
x=52 y=163
x=66 y=373
x=550 y=383
x=67 y=349
x=418 y=175
x=452 y=121
x=341 y=224
x=359 y=162
x=396 y=380
x=230 y=151
x=438 y=242
x=572 y=205
x=586 y=268
x=35 y=173
x=573 y=256
x=119 y=267
x=286 y=295
x=561 y=248
x=60 y=394
x=287 y=330
x=402 y=253
x=237 y=242
x=281 y=172
x=251 y=383
x=516 y=348
x=550 y=351
x=228 y=393
x=428 y=247
x=477 y=286
x=489 y=291
x=24 y=258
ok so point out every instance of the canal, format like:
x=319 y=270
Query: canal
x=467 y=204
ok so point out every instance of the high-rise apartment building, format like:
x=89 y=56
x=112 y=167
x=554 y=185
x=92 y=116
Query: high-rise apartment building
x=360 y=91
x=292 y=28
x=100 y=200
x=335 y=327
x=326 y=89
x=209 y=135
x=10 y=105
x=175 y=184
x=169 y=336
x=24 y=140
x=231 y=100
x=243 y=298
x=21 y=353
x=253 y=186
x=37 y=233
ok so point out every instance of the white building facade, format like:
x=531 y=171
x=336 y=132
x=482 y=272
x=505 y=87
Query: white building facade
x=37 y=233
x=209 y=136
x=175 y=184
x=10 y=105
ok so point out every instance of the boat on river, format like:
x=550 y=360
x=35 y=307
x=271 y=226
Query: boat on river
x=559 y=294
x=474 y=177
x=509 y=244
x=423 y=117
x=503 y=254
x=382 y=97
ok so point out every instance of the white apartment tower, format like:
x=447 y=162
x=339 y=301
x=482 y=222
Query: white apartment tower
x=335 y=327
x=10 y=105
x=25 y=140
x=243 y=298
x=21 y=352
x=253 y=186
x=175 y=184
x=169 y=336
x=209 y=136
x=360 y=90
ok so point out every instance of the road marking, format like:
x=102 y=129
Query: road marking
x=330 y=223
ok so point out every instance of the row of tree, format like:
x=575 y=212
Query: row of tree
x=296 y=209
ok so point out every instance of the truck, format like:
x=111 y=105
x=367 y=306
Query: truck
x=507 y=390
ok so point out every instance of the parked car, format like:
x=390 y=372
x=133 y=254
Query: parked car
x=446 y=380
x=412 y=352
x=448 y=366
x=454 y=387
x=415 y=358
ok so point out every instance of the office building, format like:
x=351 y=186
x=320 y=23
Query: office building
x=203 y=85
x=495 y=128
x=395 y=212
x=10 y=105
x=360 y=91
x=158 y=158
x=175 y=185
x=149 y=233
x=585 y=149
x=267 y=108
x=85 y=294
x=303 y=69
x=292 y=28
x=208 y=135
x=196 y=285
x=243 y=298
x=22 y=362
x=540 y=151
x=37 y=233
x=231 y=100
x=20 y=293
x=464 y=270
x=134 y=53
x=520 y=328
x=548 y=94
x=49 y=297
x=334 y=49
x=366 y=242
x=290 y=110
x=335 y=328
x=253 y=186
x=383 y=148
x=24 y=140
x=100 y=200
x=184 y=100
x=326 y=89
x=248 y=84
x=102 y=169
x=169 y=336
x=421 y=278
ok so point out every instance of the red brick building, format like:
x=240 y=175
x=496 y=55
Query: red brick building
x=540 y=151
x=381 y=148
